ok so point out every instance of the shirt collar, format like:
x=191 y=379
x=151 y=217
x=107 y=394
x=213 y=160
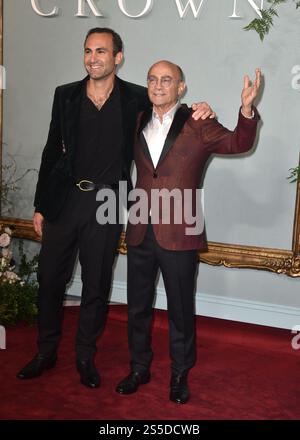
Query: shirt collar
x=170 y=113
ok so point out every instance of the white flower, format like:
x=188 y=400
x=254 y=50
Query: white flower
x=4 y=240
x=8 y=230
x=3 y=263
x=11 y=276
x=6 y=253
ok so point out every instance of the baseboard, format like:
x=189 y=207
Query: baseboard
x=216 y=306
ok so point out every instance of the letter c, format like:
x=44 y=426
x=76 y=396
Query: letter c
x=37 y=9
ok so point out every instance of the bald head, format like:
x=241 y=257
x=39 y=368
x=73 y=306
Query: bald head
x=165 y=85
x=177 y=70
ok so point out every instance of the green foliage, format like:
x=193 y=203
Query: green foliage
x=294 y=174
x=18 y=288
x=11 y=181
x=27 y=268
x=263 y=25
x=18 y=303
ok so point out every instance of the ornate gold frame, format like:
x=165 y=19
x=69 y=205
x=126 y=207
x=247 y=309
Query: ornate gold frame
x=218 y=254
x=1 y=92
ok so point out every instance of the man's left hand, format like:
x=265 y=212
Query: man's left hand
x=250 y=92
x=202 y=110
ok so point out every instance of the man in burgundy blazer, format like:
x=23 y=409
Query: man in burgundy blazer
x=171 y=151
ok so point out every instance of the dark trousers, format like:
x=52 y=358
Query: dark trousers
x=178 y=269
x=76 y=231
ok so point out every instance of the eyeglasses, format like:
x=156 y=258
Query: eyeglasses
x=165 y=81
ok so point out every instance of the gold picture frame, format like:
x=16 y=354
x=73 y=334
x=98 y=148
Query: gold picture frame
x=280 y=261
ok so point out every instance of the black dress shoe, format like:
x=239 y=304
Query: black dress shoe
x=131 y=383
x=37 y=365
x=179 y=391
x=89 y=375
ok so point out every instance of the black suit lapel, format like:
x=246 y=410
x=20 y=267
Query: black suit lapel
x=179 y=120
x=71 y=117
x=129 y=108
x=146 y=116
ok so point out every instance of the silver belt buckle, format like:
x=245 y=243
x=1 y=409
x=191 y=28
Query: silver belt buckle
x=79 y=184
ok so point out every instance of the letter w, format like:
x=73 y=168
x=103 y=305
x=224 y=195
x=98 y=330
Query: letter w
x=183 y=10
x=187 y=429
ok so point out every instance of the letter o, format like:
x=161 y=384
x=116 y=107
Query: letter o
x=146 y=10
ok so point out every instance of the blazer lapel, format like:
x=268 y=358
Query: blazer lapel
x=179 y=120
x=72 y=114
x=129 y=114
x=146 y=116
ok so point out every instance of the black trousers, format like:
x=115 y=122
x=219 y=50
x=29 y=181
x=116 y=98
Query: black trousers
x=178 y=269
x=76 y=231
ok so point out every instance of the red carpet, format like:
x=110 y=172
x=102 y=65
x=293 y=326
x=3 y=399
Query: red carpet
x=243 y=371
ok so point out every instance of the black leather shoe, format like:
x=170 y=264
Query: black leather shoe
x=89 y=375
x=131 y=383
x=36 y=366
x=179 y=391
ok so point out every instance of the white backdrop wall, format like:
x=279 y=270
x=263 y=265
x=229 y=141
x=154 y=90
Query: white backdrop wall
x=247 y=199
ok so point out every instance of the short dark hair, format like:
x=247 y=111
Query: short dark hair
x=117 y=41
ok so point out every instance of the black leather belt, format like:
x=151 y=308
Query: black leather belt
x=88 y=185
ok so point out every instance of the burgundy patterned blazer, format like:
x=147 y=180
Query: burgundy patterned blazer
x=188 y=146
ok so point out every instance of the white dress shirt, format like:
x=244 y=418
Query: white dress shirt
x=156 y=132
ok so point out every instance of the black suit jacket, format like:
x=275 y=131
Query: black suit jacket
x=56 y=171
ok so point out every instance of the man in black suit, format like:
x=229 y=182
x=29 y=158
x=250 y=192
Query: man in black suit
x=89 y=147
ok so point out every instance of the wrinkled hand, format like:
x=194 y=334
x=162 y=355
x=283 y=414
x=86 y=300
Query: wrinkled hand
x=38 y=221
x=250 y=92
x=202 y=110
